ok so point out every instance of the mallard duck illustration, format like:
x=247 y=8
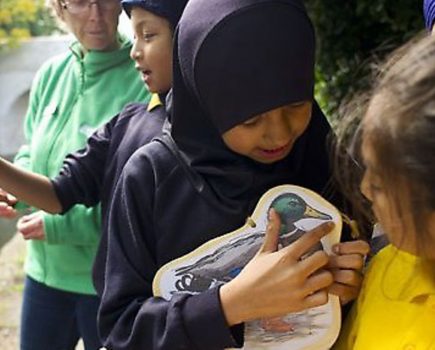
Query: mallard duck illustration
x=227 y=261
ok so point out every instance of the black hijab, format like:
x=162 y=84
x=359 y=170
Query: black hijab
x=234 y=59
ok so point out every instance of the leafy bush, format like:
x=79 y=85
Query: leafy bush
x=353 y=35
x=21 y=19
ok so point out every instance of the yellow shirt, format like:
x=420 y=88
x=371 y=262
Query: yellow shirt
x=396 y=306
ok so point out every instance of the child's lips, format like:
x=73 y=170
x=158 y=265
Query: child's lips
x=275 y=152
x=142 y=70
x=145 y=75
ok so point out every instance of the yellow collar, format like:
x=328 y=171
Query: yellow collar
x=154 y=102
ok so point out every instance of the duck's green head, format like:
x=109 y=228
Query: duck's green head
x=291 y=208
x=289 y=205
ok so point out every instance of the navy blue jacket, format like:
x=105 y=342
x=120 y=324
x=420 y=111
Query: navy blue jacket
x=162 y=210
x=157 y=215
x=89 y=176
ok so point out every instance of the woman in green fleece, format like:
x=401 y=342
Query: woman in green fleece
x=72 y=95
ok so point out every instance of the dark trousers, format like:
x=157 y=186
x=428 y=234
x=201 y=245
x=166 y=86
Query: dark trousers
x=52 y=319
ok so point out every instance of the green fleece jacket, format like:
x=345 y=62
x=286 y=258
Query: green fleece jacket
x=72 y=95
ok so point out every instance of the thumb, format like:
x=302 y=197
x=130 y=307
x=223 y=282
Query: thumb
x=271 y=237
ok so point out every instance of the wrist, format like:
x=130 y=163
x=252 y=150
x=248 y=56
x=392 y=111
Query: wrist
x=232 y=304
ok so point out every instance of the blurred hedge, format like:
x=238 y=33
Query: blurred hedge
x=20 y=19
x=354 y=34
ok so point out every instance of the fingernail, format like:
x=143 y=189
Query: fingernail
x=336 y=249
x=330 y=225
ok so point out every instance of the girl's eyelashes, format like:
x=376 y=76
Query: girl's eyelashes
x=297 y=104
x=291 y=108
x=148 y=36
x=145 y=36
x=375 y=186
x=252 y=121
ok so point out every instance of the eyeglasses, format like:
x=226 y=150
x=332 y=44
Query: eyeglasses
x=78 y=7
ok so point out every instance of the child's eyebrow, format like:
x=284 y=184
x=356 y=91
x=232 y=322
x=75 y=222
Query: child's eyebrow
x=142 y=23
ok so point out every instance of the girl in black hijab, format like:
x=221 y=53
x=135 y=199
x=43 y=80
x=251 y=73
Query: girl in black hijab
x=243 y=120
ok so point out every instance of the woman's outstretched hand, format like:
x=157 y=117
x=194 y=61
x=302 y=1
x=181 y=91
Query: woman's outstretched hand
x=277 y=282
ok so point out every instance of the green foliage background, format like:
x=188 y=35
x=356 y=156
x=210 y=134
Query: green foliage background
x=352 y=35
x=21 y=19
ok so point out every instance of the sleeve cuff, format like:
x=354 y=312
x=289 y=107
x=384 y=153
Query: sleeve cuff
x=204 y=314
x=21 y=206
x=62 y=194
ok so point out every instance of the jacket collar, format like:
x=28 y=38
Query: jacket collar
x=95 y=62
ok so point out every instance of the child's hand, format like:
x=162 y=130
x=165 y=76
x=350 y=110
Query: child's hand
x=7 y=201
x=275 y=283
x=346 y=267
x=32 y=226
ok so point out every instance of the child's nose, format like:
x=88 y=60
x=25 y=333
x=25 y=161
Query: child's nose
x=279 y=129
x=135 y=52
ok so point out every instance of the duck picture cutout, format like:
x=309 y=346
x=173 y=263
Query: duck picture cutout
x=221 y=259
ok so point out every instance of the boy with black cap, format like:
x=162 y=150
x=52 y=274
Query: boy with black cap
x=89 y=175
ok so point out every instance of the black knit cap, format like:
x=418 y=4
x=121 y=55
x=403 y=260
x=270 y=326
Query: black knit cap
x=169 y=9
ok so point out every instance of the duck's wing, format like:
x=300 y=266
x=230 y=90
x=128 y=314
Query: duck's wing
x=234 y=255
